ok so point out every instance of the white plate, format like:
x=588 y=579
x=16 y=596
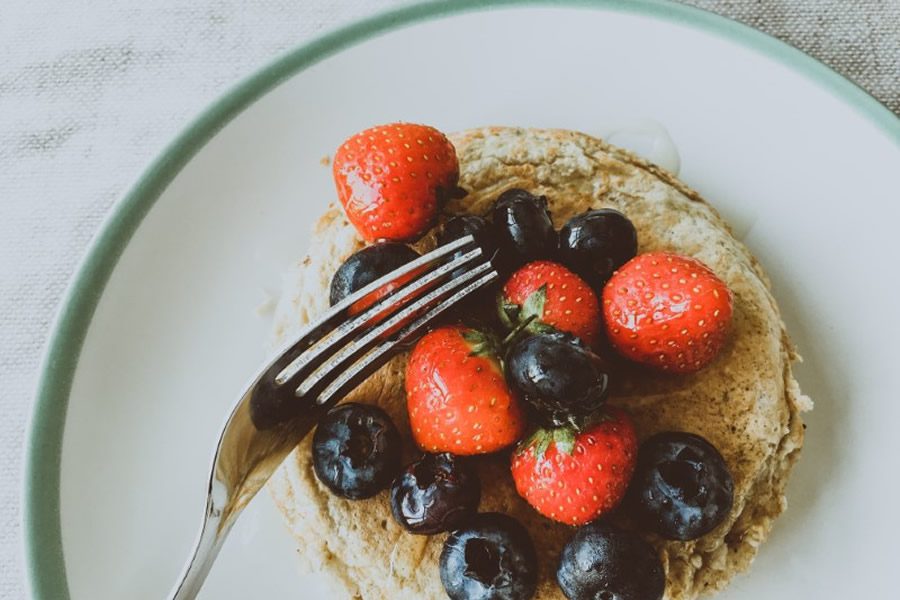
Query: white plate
x=803 y=162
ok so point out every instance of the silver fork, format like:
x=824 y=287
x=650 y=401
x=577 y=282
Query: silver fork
x=330 y=358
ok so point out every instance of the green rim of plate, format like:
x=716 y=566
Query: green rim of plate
x=45 y=564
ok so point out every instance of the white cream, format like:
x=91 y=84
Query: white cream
x=645 y=137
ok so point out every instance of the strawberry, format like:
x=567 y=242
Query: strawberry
x=553 y=296
x=457 y=396
x=393 y=179
x=574 y=477
x=667 y=311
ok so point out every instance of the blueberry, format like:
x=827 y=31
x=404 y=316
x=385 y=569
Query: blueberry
x=596 y=243
x=356 y=450
x=459 y=227
x=681 y=488
x=523 y=228
x=561 y=380
x=473 y=306
x=604 y=563
x=367 y=265
x=492 y=558
x=436 y=493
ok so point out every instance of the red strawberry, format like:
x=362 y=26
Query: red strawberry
x=552 y=295
x=667 y=311
x=457 y=396
x=392 y=179
x=574 y=477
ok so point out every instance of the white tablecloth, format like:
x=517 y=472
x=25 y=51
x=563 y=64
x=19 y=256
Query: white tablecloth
x=91 y=90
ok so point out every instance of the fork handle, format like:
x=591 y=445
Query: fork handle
x=210 y=539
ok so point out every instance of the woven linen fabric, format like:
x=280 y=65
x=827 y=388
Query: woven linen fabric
x=92 y=90
x=860 y=39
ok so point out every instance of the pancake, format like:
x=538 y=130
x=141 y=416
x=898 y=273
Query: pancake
x=747 y=402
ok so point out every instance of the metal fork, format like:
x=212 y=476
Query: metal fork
x=329 y=359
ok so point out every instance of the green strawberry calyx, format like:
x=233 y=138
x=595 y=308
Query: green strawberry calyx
x=562 y=437
x=531 y=312
x=481 y=343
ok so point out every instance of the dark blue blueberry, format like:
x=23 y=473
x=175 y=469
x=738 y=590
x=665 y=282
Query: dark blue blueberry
x=557 y=377
x=523 y=229
x=604 y=563
x=356 y=450
x=492 y=558
x=682 y=488
x=596 y=243
x=459 y=227
x=464 y=225
x=436 y=493
x=367 y=265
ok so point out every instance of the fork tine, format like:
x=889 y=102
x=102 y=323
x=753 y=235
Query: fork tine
x=312 y=385
x=371 y=362
x=319 y=328
x=309 y=361
x=272 y=403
